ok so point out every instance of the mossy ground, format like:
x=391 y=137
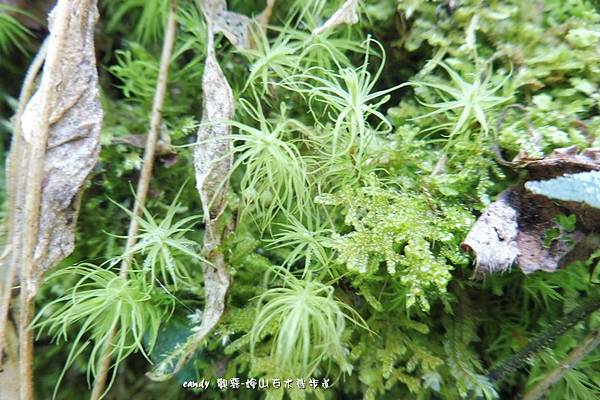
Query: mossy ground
x=364 y=156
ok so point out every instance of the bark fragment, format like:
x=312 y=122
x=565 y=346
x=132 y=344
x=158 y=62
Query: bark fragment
x=493 y=238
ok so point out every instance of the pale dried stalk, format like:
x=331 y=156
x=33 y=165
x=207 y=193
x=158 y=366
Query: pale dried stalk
x=212 y=161
x=145 y=176
x=265 y=16
x=153 y=133
x=589 y=344
x=9 y=373
x=15 y=171
x=32 y=200
x=56 y=145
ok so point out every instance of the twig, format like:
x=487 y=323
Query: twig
x=440 y=166
x=144 y=181
x=535 y=135
x=265 y=16
x=545 y=339
x=15 y=173
x=588 y=345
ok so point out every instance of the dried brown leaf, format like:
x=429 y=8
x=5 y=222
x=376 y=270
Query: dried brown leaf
x=234 y=26
x=493 y=238
x=213 y=155
x=16 y=172
x=513 y=228
x=64 y=113
x=346 y=14
x=213 y=163
x=163 y=145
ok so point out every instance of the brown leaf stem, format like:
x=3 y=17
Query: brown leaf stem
x=589 y=344
x=99 y=389
x=16 y=178
x=36 y=151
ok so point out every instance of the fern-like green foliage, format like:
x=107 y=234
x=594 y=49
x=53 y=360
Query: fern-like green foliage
x=12 y=32
x=307 y=323
x=138 y=70
x=107 y=310
x=465 y=101
x=148 y=17
x=462 y=361
x=417 y=241
x=347 y=99
x=583 y=187
x=163 y=245
x=389 y=361
x=275 y=173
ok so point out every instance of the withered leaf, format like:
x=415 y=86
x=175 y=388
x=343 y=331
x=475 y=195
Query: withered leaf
x=213 y=154
x=514 y=228
x=212 y=162
x=234 y=26
x=163 y=145
x=69 y=88
x=493 y=238
x=346 y=14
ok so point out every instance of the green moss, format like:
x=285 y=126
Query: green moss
x=362 y=157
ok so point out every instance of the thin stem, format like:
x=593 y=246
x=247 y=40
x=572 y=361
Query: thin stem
x=16 y=179
x=545 y=339
x=26 y=312
x=588 y=345
x=144 y=181
x=265 y=16
x=33 y=194
x=152 y=139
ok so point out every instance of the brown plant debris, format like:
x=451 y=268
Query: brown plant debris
x=138 y=140
x=17 y=178
x=346 y=14
x=64 y=118
x=516 y=227
x=9 y=370
x=56 y=144
x=212 y=162
x=233 y=25
x=265 y=16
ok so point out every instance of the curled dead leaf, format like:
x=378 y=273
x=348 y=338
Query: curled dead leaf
x=163 y=145
x=515 y=227
x=213 y=159
x=233 y=25
x=346 y=14
x=65 y=115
